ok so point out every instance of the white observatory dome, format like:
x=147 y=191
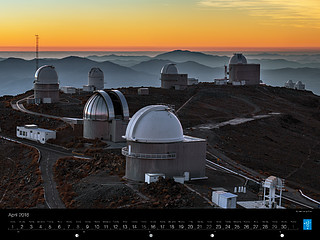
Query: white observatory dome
x=46 y=75
x=96 y=73
x=238 y=58
x=169 y=68
x=154 y=124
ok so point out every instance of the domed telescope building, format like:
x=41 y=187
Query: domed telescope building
x=95 y=80
x=170 y=78
x=156 y=144
x=46 y=85
x=243 y=73
x=106 y=116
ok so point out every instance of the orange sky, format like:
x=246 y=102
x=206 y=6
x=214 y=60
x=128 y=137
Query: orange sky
x=98 y=25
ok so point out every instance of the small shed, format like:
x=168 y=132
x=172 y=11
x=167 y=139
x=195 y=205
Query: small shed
x=224 y=199
x=68 y=89
x=143 y=91
x=152 y=177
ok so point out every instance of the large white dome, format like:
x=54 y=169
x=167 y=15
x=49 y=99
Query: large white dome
x=169 y=68
x=46 y=75
x=154 y=124
x=238 y=58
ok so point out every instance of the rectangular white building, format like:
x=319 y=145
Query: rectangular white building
x=32 y=132
x=224 y=199
x=68 y=89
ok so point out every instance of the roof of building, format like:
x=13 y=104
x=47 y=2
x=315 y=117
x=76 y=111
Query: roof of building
x=100 y=106
x=95 y=73
x=35 y=128
x=46 y=75
x=238 y=58
x=154 y=124
x=169 y=68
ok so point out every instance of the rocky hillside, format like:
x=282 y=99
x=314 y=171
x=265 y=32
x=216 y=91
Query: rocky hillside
x=20 y=177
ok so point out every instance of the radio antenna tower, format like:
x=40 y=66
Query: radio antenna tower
x=37 y=52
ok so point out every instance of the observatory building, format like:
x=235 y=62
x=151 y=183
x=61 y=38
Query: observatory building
x=106 y=116
x=289 y=84
x=46 y=85
x=95 y=80
x=242 y=73
x=170 y=78
x=156 y=144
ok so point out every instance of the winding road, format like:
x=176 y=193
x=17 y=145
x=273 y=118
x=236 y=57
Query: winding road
x=49 y=155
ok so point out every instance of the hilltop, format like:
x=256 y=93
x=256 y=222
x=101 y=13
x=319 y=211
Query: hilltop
x=271 y=130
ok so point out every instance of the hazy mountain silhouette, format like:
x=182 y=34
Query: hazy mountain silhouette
x=17 y=74
x=126 y=61
x=199 y=57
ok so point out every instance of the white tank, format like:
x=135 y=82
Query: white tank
x=96 y=78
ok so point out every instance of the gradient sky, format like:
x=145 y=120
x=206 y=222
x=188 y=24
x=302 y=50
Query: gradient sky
x=159 y=25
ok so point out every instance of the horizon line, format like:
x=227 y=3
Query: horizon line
x=149 y=48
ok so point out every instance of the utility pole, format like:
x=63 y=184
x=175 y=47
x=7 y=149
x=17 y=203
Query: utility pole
x=37 y=52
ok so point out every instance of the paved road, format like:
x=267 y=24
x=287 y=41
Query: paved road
x=18 y=105
x=49 y=155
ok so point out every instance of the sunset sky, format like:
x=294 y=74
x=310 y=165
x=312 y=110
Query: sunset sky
x=159 y=25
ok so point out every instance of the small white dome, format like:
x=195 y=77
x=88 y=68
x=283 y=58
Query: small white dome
x=96 y=73
x=154 y=124
x=46 y=75
x=169 y=68
x=238 y=58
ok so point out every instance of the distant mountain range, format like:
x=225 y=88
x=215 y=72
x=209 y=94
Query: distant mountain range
x=17 y=74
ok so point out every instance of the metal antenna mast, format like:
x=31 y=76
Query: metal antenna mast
x=37 y=52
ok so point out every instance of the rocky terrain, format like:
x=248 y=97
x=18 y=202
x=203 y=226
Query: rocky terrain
x=283 y=140
x=10 y=119
x=98 y=183
x=272 y=130
x=20 y=177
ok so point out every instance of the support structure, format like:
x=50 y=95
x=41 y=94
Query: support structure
x=37 y=52
x=272 y=183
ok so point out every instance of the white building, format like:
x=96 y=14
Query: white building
x=32 y=132
x=171 y=78
x=224 y=199
x=106 y=116
x=46 y=85
x=289 y=84
x=299 y=86
x=156 y=144
x=68 y=89
x=95 y=80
